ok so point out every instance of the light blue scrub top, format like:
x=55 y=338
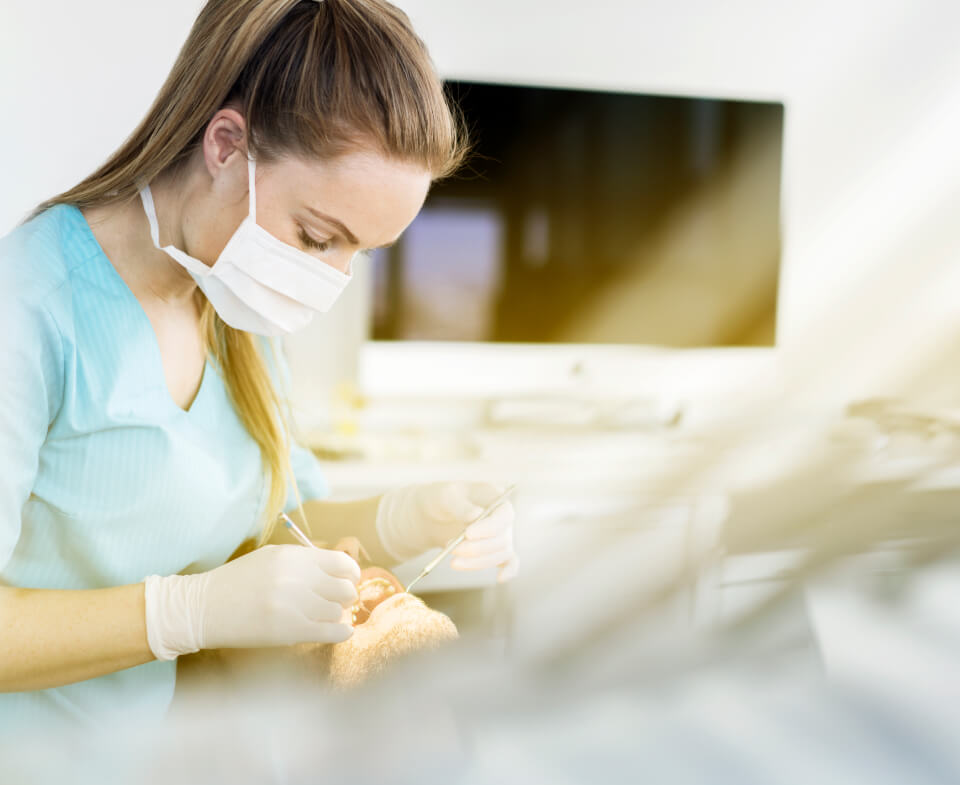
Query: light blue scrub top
x=103 y=478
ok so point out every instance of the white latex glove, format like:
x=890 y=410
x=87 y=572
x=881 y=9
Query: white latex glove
x=416 y=518
x=277 y=595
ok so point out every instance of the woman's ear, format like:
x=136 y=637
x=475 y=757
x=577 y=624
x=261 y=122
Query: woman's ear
x=223 y=155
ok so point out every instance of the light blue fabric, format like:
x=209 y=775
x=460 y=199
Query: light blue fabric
x=103 y=478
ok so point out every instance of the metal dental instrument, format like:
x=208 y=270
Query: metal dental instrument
x=457 y=540
x=297 y=533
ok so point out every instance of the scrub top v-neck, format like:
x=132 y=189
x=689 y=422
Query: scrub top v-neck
x=104 y=479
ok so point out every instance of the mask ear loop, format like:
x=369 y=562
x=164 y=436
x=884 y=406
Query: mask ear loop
x=251 y=168
x=146 y=196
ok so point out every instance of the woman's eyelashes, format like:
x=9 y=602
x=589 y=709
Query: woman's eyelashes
x=309 y=242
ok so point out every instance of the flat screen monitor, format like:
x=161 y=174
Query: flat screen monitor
x=587 y=217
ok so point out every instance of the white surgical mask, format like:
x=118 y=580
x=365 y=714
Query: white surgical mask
x=258 y=283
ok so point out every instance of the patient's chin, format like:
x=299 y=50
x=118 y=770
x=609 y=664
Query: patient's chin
x=399 y=625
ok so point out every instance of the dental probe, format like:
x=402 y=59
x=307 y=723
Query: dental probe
x=457 y=540
x=297 y=533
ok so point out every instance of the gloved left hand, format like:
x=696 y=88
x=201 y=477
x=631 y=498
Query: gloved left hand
x=416 y=518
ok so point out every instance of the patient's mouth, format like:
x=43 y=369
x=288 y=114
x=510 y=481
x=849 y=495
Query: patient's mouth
x=376 y=585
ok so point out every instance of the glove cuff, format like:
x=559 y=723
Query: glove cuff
x=174 y=613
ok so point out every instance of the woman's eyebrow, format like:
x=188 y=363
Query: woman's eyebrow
x=347 y=233
x=330 y=219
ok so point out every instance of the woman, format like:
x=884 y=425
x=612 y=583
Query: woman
x=141 y=437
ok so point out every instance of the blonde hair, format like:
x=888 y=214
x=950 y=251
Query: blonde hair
x=314 y=80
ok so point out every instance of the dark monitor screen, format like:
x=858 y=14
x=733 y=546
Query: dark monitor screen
x=585 y=216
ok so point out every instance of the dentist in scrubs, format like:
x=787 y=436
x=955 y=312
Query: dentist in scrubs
x=142 y=438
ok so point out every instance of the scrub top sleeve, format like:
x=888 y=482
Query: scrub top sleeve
x=31 y=390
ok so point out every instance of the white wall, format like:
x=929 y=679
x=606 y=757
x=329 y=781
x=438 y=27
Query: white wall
x=871 y=155
x=77 y=78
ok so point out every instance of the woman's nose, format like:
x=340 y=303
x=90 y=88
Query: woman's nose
x=347 y=268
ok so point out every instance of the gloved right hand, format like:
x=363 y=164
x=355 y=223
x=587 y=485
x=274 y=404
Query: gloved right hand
x=276 y=595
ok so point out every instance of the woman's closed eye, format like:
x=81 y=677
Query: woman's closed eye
x=324 y=245
x=309 y=242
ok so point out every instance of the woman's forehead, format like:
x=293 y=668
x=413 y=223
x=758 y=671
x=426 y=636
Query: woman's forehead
x=357 y=170
x=373 y=196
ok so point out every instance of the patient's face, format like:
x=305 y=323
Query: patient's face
x=387 y=623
